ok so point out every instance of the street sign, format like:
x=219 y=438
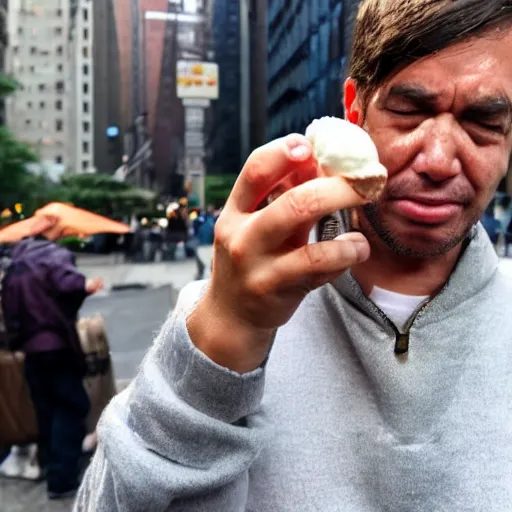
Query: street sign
x=197 y=79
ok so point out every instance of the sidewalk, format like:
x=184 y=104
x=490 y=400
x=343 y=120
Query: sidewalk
x=176 y=273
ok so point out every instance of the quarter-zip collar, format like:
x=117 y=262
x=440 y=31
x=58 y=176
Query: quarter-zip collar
x=476 y=267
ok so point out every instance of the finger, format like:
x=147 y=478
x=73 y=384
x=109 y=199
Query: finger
x=301 y=208
x=316 y=264
x=267 y=166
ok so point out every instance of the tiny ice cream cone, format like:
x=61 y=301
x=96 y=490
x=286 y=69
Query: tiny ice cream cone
x=343 y=149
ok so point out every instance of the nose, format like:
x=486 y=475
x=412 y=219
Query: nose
x=438 y=159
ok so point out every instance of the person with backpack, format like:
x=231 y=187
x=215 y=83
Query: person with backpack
x=42 y=292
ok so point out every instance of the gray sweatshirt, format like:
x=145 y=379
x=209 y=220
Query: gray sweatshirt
x=336 y=421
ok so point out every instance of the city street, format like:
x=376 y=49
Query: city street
x=132 y=317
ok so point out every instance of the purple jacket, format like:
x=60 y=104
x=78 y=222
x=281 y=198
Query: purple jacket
x=41 y=295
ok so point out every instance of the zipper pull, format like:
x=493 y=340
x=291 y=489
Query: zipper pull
x=402 y=343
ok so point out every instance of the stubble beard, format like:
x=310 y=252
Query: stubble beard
x=378 y=225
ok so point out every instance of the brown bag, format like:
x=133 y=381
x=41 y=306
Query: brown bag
x=99 y=381
x=18 y=423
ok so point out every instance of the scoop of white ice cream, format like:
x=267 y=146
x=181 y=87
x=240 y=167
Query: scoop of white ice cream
x=342 y=148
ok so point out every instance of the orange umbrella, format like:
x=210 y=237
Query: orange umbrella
x=58 y=220
x=75 y=221
x=29 y=227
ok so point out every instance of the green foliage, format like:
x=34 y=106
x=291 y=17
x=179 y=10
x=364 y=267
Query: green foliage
x=8 y=85
x=102 y=194
x=15 y=181
x=218 y=187
x=73 y=243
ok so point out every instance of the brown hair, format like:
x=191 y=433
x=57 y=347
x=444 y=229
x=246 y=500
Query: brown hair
x=390 y=34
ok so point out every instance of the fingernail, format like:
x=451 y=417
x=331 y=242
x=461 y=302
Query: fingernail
x=362 y=250
x=300 y=152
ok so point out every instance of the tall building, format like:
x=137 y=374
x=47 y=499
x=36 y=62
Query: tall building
x=81 y=109
x=136 y=142
x=123 y=19
x=108 y=147
x=170 y=31
x=95 y=111
x=224 y=138
x=3 y=49
x=225 y=119
x=307 y=47
x=37 y=57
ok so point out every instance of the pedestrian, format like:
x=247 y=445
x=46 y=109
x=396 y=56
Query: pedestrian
x=288 y=383
x=41 y=294
x=204 y=229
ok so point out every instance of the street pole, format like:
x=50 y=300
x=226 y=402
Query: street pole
x=245 y=81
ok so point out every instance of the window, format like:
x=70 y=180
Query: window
x=15 y=50
x=33 y=50
x=58 y=159
x=85 y=52
x=85 y=165
x=42 y=105
x=32 y=69
x=60 y=68
x=28 y=122
x=59 y=13
x=86 y=14
x=41 y=87
x=86 y=34
x=58 y=31
x=86 y=126
x=59 y=86
x=85 y=147
x=20 y=30
x=86 y=69
x=59 y=125
x=58 y=104
x=86 y=107
x=59 y=51
x=29 y=104
x=86 y=88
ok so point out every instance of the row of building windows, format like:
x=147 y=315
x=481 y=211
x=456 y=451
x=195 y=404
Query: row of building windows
x=32 y=69
x=59 y=87
x=34 y=50
x=58 y=31
x=85 y=164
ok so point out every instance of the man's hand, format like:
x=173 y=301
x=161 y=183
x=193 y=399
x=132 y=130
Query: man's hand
x=94 y=285
x=263 y=266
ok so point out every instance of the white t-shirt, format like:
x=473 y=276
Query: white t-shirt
x=397 y=307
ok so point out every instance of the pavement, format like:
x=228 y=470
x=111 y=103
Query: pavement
x=133 y=318
x=177 y=273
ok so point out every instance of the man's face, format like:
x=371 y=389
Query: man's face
x=442 y=127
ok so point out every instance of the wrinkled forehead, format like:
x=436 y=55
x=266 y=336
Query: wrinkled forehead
x=478 y=68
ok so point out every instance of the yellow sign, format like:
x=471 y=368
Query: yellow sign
x=198 y=80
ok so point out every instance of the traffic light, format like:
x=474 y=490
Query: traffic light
x=18 y=207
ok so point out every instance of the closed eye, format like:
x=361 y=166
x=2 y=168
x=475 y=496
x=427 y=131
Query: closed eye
x=496 y=128
x=408 y=113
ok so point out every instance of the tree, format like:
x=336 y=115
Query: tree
x=102 y=194
x=15 y=180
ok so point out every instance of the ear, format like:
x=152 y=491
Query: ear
x=353 y=106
